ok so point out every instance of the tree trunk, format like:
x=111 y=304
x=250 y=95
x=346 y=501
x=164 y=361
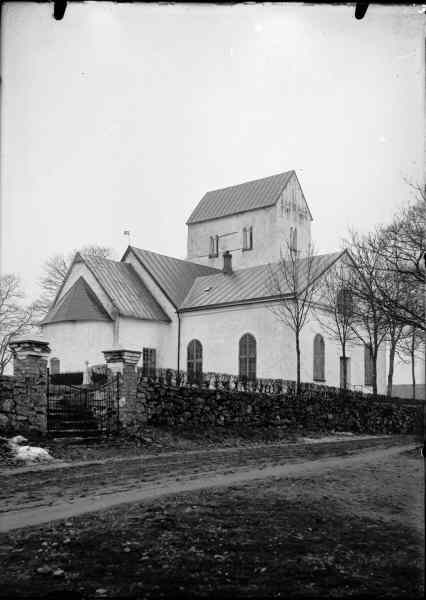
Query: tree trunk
x=345 y=368
x=392 y=351
x=297 y=363
x=413 y=364
x=374 y=374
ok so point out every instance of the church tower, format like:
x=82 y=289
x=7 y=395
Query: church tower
x=254 y=221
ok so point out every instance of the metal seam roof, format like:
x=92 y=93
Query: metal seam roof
x=79 y=303
x=127 y=291
x=173 y=275
x=252 y=195
x=245 y=285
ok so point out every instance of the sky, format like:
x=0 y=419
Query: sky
x=121 y=116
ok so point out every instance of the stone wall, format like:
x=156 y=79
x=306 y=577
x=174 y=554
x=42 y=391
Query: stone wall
x=161 y=404
x=23 y=404
x=23 y=397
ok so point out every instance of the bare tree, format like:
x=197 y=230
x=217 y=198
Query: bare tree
x=56 y=268
x=294 y=280
x=402 y=250
x=371 y=325
x=410 y=349
x=334 y=309
x=15 y=318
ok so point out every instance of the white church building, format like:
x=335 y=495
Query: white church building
x=209 y=312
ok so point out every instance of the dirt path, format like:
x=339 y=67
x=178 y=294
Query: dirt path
x=25 y=490
x=105 y=498
x=61 y=464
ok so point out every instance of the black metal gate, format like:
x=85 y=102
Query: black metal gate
x=85 y=410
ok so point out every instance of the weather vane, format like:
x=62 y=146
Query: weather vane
x=127 y=232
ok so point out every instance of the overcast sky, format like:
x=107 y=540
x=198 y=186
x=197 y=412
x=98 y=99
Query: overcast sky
x=122 y=116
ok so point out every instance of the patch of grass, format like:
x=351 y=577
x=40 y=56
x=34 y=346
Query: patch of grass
x=318 y=537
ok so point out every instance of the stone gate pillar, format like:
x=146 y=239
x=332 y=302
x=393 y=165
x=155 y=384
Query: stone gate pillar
x=124 y=362
x=30 y=369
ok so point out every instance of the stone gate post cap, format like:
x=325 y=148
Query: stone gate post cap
x=30 y=345
x=122 y=355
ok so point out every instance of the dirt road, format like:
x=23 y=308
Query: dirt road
x=41 y=497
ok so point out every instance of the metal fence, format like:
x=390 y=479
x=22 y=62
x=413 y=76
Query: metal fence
x=91 y=409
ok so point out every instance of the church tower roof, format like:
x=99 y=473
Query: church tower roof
x=252 y=195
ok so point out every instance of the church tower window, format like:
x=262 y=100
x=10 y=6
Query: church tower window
x=248 y=238
x=293 y=239
x=214 y=246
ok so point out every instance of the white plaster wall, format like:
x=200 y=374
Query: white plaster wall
x=75 y=342
x=230 y=232
x=219 y=332
x=136 y=334
x=296 y=217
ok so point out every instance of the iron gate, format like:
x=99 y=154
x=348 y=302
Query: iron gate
x=85 y=410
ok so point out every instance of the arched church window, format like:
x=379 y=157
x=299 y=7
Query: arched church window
x=194 y=363
x=319 y=358
x=247 y=357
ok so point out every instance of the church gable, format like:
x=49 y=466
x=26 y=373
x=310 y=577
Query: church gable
x=79 y=303
x=292 y=202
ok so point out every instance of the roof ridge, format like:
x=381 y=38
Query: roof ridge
x=228 y=187
x=241 y=197
x=337 y=252
x=103 y=258
x=182 y=260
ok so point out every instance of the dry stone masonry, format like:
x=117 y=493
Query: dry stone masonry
x=23 y=399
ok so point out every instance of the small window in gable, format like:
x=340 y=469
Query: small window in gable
x=344 y=302
x=214 y=246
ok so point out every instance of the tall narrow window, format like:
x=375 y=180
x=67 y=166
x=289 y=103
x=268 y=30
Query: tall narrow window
x=293 y=239
x=214 y=246
x=194 y=361
x=247 y=357
x=368 y=365
x=319 y=358
x=344 y=302
x=248 y=238
x=149 y=362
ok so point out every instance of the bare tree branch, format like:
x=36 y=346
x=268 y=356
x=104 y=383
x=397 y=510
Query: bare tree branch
x=56 y=268
x=15 y=318
x=294 y=281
